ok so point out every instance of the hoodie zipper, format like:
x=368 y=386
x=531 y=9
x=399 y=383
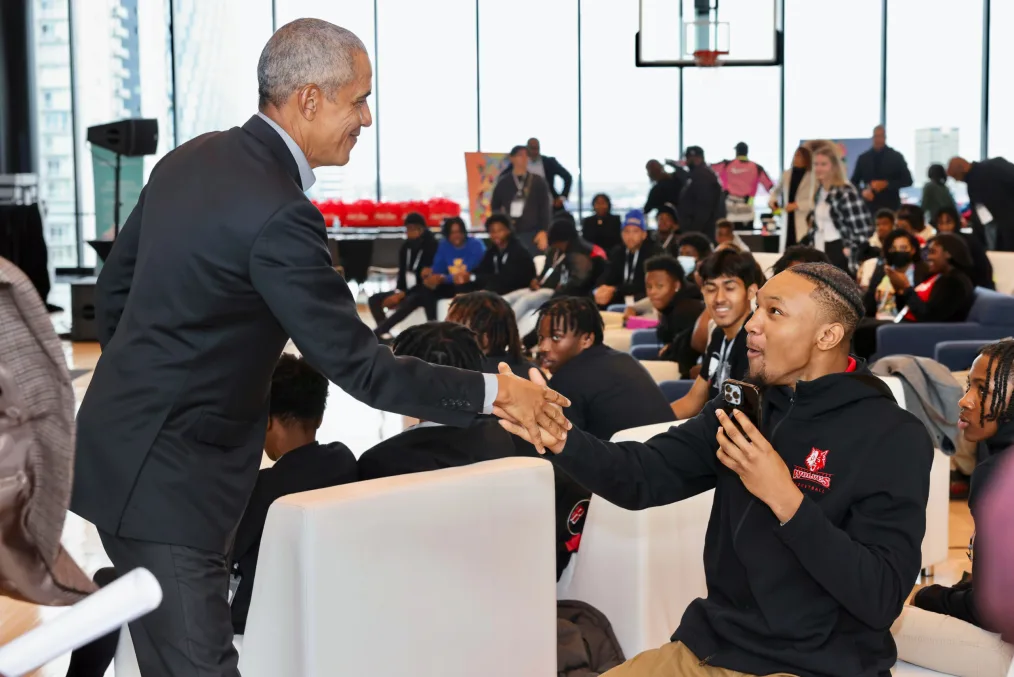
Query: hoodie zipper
x=753 y=499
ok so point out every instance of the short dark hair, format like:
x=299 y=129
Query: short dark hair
x=449 y=223
x=445 y=343
x=729 y=263
x=724 y=223
x=562 y=230
x=937 y=173
x=298 y=392
x=666 y=264
x=669 y=209
x=699 y=242
x=574 y=313
x=999 y=369
x=604 y=197
x=903 y=234
x=498 y=217
x=517 y=149
x=798 y=253
x=415 y=219
x=837 y=294
x=491 y=318
x=951 y=211
x=913 y=214
x=886 y=214
x=954 y=244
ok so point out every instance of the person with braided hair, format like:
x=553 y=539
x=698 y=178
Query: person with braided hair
x=493 y=321
x=986 y=418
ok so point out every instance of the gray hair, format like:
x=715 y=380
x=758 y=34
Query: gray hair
x=306 y=51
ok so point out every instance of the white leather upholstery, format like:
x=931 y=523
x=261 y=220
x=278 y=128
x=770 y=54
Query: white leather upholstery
x=765 y=261
x=617 y=338
x=949 y=645
x=662 y=370
x=125 y=663
x=641 y=569
x=540 y=263
x=448 y=573
x=866 y=269
x=443 y=305
x=1003 y=271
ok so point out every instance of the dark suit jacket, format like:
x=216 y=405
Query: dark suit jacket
x=314 y=466
x=418 y=254
x=221 y=261
x=668 y=189
x=991 y=184
x=603 y=231
x=505 y=271
x=700 y=204
x=553 y=169
x=617 y=265
x=887 y=165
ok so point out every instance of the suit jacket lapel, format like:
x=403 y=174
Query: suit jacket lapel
x=270 y=138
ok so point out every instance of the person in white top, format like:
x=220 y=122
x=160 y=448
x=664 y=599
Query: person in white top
x=841 y=220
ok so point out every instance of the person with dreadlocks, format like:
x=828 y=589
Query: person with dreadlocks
x=493 y=321
x=986 y=419
x=819 y=506
x=609 y=391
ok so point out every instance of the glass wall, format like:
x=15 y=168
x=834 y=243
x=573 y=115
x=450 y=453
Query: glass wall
x=358 y=179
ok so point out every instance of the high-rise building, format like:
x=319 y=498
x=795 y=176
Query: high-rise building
x=933 y=146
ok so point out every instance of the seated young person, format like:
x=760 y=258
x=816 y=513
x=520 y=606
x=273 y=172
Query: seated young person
x=819 y=509
x=884 y=225
x=913 y=219
x=903 y=254
x=947 y=220
x=603 y=227
x=677 y=311
x=796 y=254
x=730 y=285
x=298 y=399
x=507 y=264
x=725 y=234
x=986 y=418
x=695 y=246
x=667 y=237
x=415 y=256
x=623 y=279
x=609 y=390
x=493 y=321
x=456 y=257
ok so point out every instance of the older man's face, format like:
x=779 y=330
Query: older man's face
x=339 y=122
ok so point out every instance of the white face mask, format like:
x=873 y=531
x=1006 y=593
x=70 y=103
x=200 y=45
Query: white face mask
x=688 y=263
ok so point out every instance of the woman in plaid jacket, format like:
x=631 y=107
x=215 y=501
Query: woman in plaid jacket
x=841 y=221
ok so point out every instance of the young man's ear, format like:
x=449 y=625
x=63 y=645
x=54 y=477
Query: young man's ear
x=587 y=341
x=830 y=336
x=752 y=292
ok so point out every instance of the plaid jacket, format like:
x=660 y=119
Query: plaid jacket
x=851 y=217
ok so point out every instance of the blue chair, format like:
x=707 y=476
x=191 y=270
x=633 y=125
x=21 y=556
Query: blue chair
x=640 y=337
x=991 y=318
x=958 y=355
x=645 y=351
x=673 y=390
x=616 y=308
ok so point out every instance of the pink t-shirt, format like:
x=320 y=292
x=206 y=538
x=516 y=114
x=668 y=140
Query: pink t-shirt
x=741 y=177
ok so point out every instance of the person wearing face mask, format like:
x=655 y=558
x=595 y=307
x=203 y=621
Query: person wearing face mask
x=901 y=253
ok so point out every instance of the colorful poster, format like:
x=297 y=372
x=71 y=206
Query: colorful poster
x=850 y=150
x=482 y=170
x=131 y=182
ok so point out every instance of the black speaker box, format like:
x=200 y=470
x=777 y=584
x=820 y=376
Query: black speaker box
x=137 y=136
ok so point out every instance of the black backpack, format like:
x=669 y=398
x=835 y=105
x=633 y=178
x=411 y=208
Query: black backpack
x=585 y=643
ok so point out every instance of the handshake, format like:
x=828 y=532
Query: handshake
x=530 y=410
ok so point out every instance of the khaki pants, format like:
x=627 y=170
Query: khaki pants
x=672 y=660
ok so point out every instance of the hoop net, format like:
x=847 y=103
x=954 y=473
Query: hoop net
x=708 y=58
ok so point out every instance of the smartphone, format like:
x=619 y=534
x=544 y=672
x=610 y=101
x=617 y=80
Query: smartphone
x=743 y=396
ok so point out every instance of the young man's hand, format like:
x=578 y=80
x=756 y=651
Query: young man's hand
x=394 y=299
x=530 y=410
x=541 y=240
x=604 y=294
x=433 y=281
x=760 y=468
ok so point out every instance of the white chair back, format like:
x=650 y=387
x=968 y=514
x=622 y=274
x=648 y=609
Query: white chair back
x=866 y=269
x=446 y=573
x=1003 y=271
x=641 y=569
x=540 y=264
x=766 y=260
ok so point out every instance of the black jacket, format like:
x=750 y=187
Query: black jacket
x=884 y=165
x=669 y=189
x=701 y=203
x=519 y=367
x=553 y=169
x=666 y=244
x=949 y=301
x=315 y=466
x=676 y=327
x=193 y=307
x=617 y=267
x=504 y=271
x=982 y=267
x=817 y=596
x=610 y=391
x=991 y=184
x=538 y=211
x=415 y=255
x=602 y=230
x=575 y=272
x=870 y=298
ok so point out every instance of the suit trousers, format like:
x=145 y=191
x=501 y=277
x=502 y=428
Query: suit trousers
x=190 y=633
x=673 y=660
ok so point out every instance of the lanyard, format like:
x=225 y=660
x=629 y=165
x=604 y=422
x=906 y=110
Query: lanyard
x=723 y=356
x=499 y=261
x=630 y=270
x=557 y=259
x=665 y=245
x=411 y=267
x=521 y=185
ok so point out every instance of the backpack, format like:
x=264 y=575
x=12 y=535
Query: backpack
x=36 y=451
x=585 y=643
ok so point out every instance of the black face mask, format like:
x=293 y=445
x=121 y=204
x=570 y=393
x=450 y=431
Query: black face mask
x=898 y=259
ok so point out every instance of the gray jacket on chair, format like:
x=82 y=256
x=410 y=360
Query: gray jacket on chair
x=931 y=394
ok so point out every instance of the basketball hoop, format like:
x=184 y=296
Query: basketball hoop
x=708 y=58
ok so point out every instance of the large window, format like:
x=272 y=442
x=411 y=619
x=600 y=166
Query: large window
x=358 y=179
x=1001 y=72
x=934 y=81
x=426 y=123
x=217 y=45
x=832 y=71
x=528 y=77
x=621 y=132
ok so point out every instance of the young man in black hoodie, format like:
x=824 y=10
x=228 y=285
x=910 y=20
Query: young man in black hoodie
x=415 y=255
x=815 y=538
x=496 y=328
x=507 y=265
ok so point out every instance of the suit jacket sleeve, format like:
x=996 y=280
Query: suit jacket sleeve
x=290 y=267
x=859 y=173
x=901 y=177
x=545 y=202
x=113 y=284
x=496 y=203
x=252 y=525
x=558 y=170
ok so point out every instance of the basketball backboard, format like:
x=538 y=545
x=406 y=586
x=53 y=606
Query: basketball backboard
x=743 y=32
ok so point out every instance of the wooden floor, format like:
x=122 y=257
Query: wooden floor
x=359 y=427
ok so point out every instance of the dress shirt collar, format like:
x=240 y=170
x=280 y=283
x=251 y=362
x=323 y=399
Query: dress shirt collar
x=306 y=175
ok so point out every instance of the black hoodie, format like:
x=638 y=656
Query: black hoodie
x=817 y=596
x=504 y=271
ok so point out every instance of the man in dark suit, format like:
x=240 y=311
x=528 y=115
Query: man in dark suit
x=991 y=194
x=221 y=262
x=881 y=172
x=548 y=168
x=701 y=204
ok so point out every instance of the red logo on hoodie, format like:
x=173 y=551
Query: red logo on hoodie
x=815 y=462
